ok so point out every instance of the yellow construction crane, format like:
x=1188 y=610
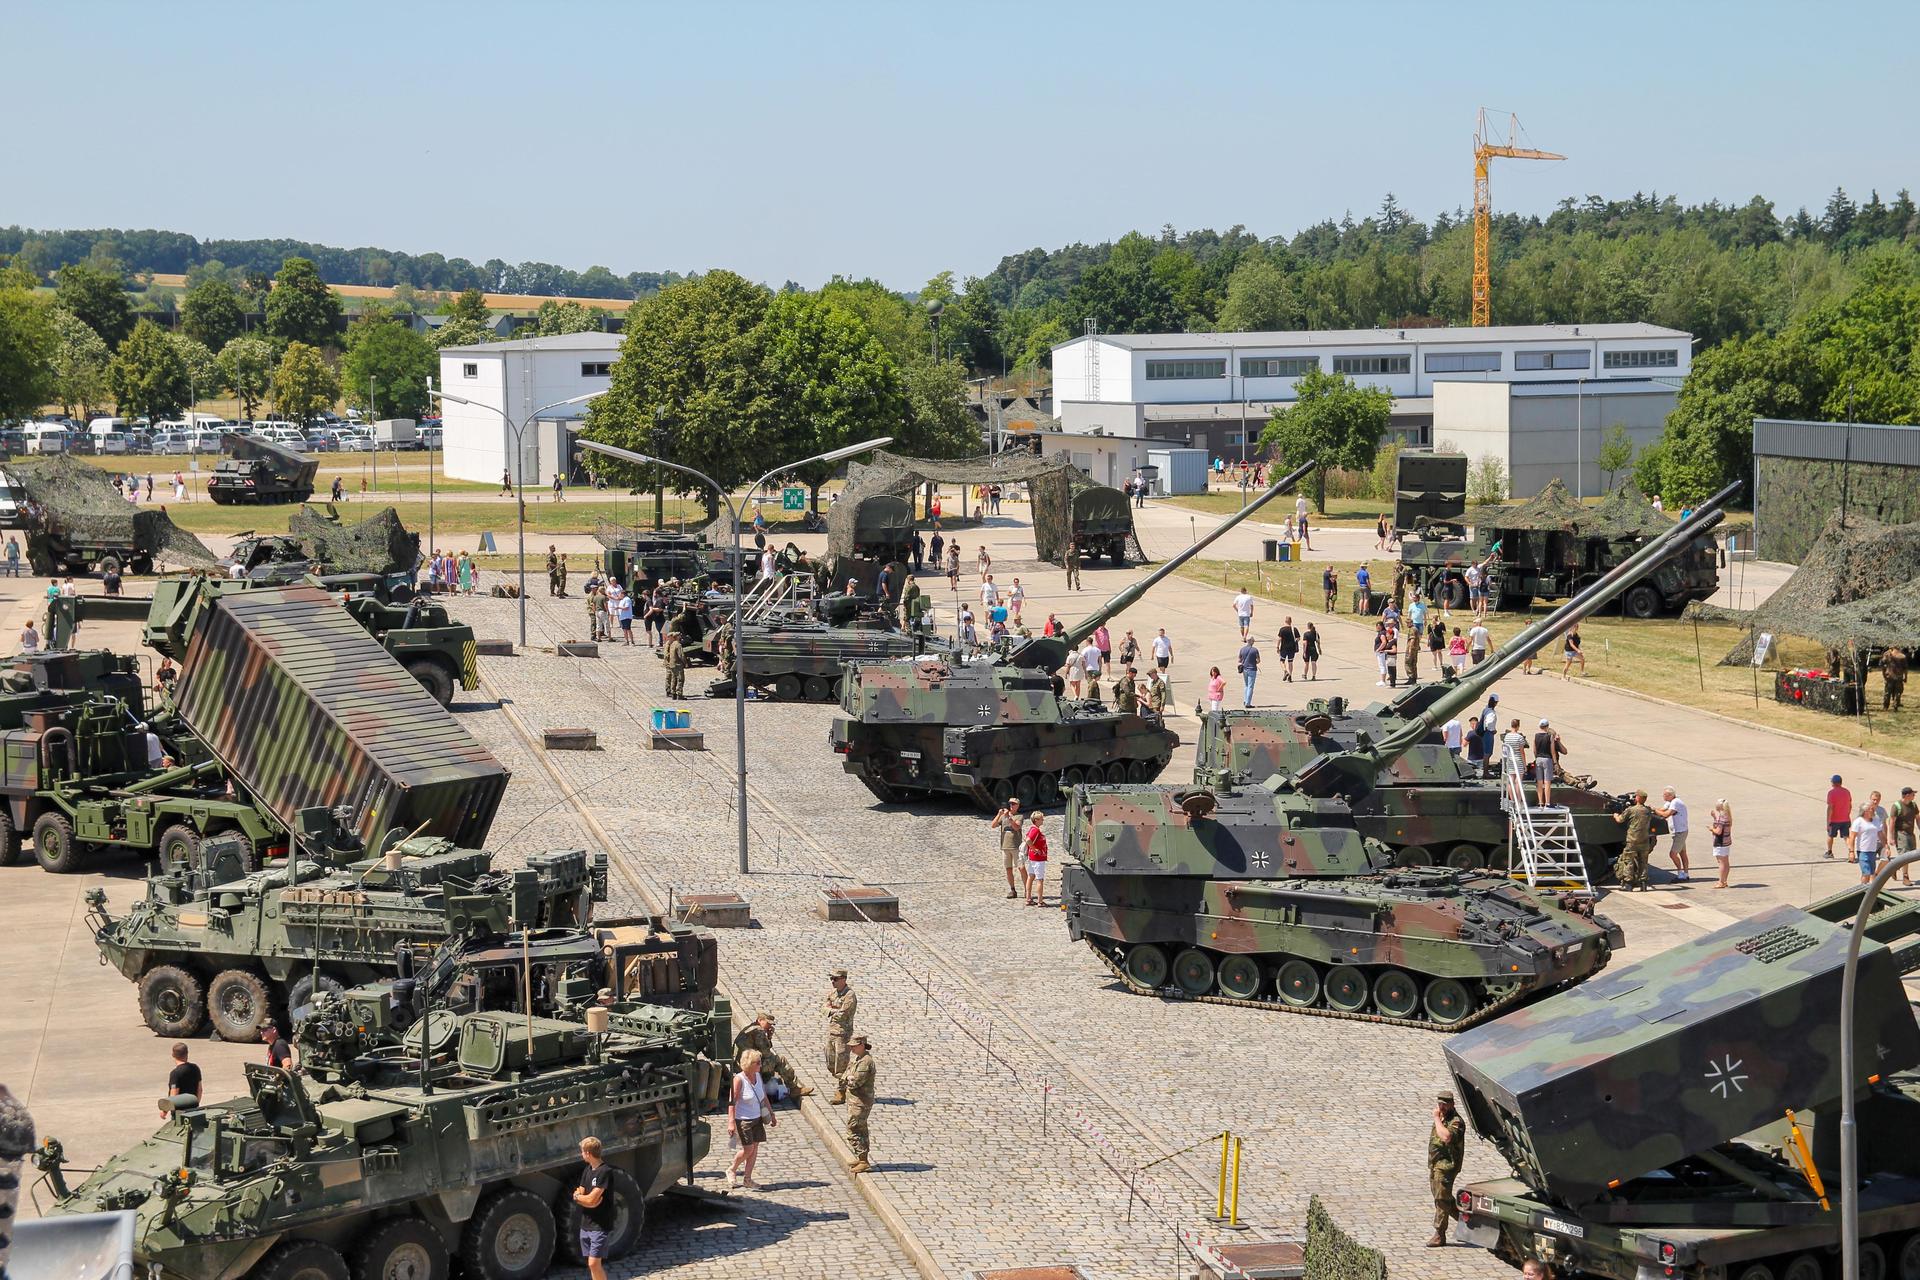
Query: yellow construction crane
x=1485 y=148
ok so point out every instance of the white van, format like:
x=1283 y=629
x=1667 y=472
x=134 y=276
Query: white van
x=280 y=432
x=45 y=437
x=10 y=496
x=110 y=435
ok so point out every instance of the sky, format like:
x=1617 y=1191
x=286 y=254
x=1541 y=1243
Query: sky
x=807 y=140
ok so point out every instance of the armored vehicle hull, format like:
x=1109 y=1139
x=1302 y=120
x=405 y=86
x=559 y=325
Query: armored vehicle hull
x=256 y=470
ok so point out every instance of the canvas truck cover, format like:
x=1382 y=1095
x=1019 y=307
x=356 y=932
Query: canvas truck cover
x=1101 y=507
x=1640 y=1067
x=305 y=709
x=875 y=519
x=1430 y=485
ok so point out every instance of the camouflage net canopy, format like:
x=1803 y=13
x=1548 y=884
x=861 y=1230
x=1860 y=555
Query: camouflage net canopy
x=868 y=517
x=1624 y=513
x=1332 y=1254
x=378 y=544
x=1857 y=589
x=78 y=500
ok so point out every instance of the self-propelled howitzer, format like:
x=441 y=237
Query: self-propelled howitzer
x=1271 y=896
x=993 y=729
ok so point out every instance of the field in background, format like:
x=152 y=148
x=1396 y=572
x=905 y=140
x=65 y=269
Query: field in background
x=497 y=301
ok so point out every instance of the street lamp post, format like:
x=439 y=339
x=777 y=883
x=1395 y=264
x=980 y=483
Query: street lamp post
x=737 y=511
x=519 y=474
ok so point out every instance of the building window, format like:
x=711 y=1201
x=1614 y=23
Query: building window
x=469 y=370
x=1463 y=362
x=1158 y=370
x=1364 y=365
x=1553 y=360
x=588 y=369
x=1667 y=359
x=1278 y=366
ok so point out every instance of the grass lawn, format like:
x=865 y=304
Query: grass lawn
x=1657 y=657
x=1340 y=511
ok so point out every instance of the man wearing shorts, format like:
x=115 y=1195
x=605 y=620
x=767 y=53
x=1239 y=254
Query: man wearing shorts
x=1162 y=650
x=1546 y=752
x=1036 y=864
x=1007 y=823
x=596 y=1212
x=1674 y=810
x=1839 y=814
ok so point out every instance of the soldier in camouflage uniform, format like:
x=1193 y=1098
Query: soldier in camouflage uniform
x=1893 y=678
x=758 y=1034
x=858 y=1086
x=1073 y=566
x=1126 y=693
x=839 y=1007
x=1630 y=868
x=723 y=649
x=675 y=652
x=1446 y=1147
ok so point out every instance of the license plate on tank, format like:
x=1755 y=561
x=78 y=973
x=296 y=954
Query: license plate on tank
x=1559 y=1227
x=909 y=755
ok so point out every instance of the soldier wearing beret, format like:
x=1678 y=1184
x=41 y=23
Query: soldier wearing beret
x=1446 y=1147
x=858 y=1083
x=838 y=1007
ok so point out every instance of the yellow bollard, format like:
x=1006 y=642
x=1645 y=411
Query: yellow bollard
x=1233 y=1214
x=1220 y=1185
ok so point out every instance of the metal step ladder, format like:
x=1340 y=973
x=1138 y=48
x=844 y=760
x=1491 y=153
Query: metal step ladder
x=1542 y=848
x=785 y=593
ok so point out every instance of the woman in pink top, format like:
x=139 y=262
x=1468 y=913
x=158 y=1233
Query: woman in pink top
x=1216 y=689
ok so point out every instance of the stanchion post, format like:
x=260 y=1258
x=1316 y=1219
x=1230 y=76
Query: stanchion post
x=1220 y=1182
x=1233 y=1222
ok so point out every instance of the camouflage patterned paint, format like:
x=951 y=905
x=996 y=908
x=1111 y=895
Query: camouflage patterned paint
x=253 y=469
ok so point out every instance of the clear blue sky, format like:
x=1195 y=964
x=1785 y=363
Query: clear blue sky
x=801 y=140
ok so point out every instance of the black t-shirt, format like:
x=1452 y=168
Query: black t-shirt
x=279 y=1053
x=1543 y=746
x=602 y=1177
x=184 y=1078
x=1289 y=641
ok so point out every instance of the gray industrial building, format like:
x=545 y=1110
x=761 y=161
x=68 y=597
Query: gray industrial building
x=1803 y=472
x=1545 y=430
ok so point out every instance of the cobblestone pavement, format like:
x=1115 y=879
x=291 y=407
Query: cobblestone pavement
x=1020 y=1088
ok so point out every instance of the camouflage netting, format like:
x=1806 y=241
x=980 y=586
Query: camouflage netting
x=78 y=499
x=1332 y=1254
x=1855 y=589
x=1624 y=513
x=378 y=544
x=865 y=517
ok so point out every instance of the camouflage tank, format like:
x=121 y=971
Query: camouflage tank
x=804 y=655
x=989 y=729
x=214 y=943
x=1429 y=807
x=253 y=469
x=461 y=1142
x=1271 y=896
x=1680 y=1117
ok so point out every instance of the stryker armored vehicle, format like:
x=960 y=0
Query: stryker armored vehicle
x=214 y=942
x=1549 y=547
x=802 y=652
x=461 y=1142
x=1680 y=1116
x=253 y=469
x=1102 y=523
x=1271 y=896
x=990 y=729
x=1428 y=807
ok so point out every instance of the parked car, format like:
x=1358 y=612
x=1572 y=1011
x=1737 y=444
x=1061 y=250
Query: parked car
x=169 y=442
x=109 y=435
x=46 y=437
x=204 y=441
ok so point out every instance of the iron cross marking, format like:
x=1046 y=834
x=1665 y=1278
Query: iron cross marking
x=986 y=709
x=1726 y=1076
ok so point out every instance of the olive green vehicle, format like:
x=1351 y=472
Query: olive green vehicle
x=461 y=1142
x=253 y=469
x=990 y=729
x=212 y=942
x=1272 y=896
x=1102 y=524
x=1428 y=806
x=801 y=654
x=1680 y=1117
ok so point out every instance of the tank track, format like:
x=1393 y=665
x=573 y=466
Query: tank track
x=1491 y=1010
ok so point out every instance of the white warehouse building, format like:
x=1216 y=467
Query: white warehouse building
x=517 y=378
x=1198 y=388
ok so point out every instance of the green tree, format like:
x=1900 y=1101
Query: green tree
x=563 y=315
x=468 y=321
x=1616 y=451
x=304 y=384
x=1333 y=421
x=301 y=308
x=1709 y=435
x=938 y=424
x=203 y=370
x=80 y=363
x=386 y=368
x=98 y=296
x=149 y=375
x=212 y=312
x=246 y=369
x=828 y=380
x=29 y=343
x=970 y=328
x=900 y=325
x=1258 y=297
x=1037 y=353
x=1486 y=481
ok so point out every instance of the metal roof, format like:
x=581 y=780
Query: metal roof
x=1382 y=337
x=590 y=341
x=1602 y=386
x=1229 y=411
x=1837 y=441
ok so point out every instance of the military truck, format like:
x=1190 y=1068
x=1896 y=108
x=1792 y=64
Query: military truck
x=1679 y=1117
x=462 y=1142
x=882 y=528
x=1102 y=524
x=253 y=469
x=1547 y=548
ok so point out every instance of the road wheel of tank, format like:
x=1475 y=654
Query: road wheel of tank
x=1346 y=989
x=629 y=1219
x=178 y=847
x=1002 y=790
x=510 y=1237
x=1414 y=855
x=787 y=687
x=1239 y=977
x=1136 y=772
x=54 y=846
x=1466 y=857
x=1396 y=993
x=1072 y=776
x=305 y=989
x=434 y=679
x=1873 y=1260
x=172 y=1001
x=1193 y=972
x=1298 y=984
x=1906 y=1260
x=401 y=1249
x=1806 y=1266
x=1447 y=1001
x=1049 y=789
x=1755 y=1271
x=9 y=838
x=1641 y=601
x=238 y=1004
x=819 y=689
x=302 y=1260
x=1027 y=788
x=1146 y=966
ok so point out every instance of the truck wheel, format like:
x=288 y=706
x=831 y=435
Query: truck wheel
x=1641 y=601
x=305 y=990
x=172 y=1001
x=109 y=564
x=434 y=679
x=629 y=1219
x=510 y=1237
x=9 y=839
x=401 y=1249
x=54 y=845
x=302 y=1260
x=238 y=1004
x=179 y=847
x=143 y=564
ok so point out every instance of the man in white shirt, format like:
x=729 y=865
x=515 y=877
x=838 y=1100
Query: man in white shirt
x=1478 y=641
x=1674 y=810
x=1450 y=733
x=1090 y=657
x=989 y=593
x=1300 y=507
x=1243 y=609
x=1162 y=650
x=766 y=563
